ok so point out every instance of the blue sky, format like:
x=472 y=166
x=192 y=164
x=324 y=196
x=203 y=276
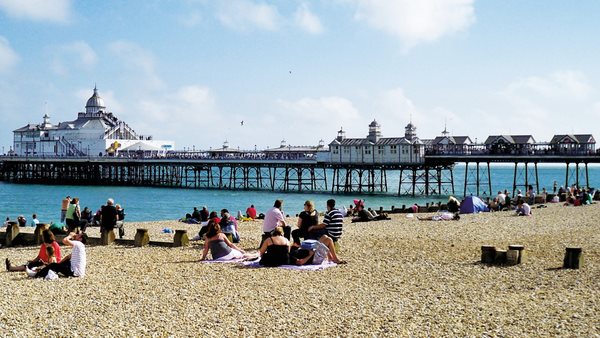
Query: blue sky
x=298 y=70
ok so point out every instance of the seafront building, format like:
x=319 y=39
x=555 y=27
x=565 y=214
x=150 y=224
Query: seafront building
x=95 y=132
x=376 y=149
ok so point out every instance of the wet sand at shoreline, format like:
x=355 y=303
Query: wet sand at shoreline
x=404 y=277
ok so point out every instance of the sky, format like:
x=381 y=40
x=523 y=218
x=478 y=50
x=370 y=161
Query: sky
x=191 y=71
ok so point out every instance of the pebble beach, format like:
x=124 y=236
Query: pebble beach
x=404 y=278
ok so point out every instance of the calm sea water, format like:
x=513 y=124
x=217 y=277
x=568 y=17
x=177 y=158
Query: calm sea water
x=144 y=203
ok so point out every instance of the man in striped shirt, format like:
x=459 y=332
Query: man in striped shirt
x=330 y=230
x=72 y=265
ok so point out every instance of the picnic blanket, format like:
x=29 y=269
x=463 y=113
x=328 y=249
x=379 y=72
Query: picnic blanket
x=237 y=260
x=309 y=267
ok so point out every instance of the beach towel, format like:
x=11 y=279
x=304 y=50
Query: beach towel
x=238 y=260
x=309 y=267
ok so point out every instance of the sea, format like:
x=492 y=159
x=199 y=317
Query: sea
x=151 y=203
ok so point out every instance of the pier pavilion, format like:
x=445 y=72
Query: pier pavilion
x=94 y=132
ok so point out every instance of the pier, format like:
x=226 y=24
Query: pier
x=306 y=173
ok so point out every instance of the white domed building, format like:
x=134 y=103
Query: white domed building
x=95 y=132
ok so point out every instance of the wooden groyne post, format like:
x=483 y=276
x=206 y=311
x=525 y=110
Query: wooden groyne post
x=141 y=238
x=573 y=258
x=181 y=238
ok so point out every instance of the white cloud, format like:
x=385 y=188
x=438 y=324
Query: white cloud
x=77 y=54
x=564 y=84
x=39 y=10
x=314 y=119
x=417 y=21
x=306 y=20
x=560 y=102
x=138 y=63
x=8 y=57
x=244 y=15
x=188 y=115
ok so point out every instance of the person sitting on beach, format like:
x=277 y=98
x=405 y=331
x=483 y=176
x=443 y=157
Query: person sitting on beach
x=204 y=214
x=274 y=218
x=362 y=214
x=523 y=209
x=22 y=221
x=58 y=228
x=275 y=250
x=120 y=220
x=501 y=198
x=507 y=201
x=219 y=245
x=493 y=205
x=311 y=252
x=330 y=231
x=229 y=225
x=74 y=264
x=86 y=215
x=7 y=222
x=196 y=215
x=41 y=259
x=108 y=216
x=350 y=211
x=453 y=204
x=307 y=218
x=251 y=212
x=34 y=220
x=443 y=216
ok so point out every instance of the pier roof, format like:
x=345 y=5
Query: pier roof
x=573 y=138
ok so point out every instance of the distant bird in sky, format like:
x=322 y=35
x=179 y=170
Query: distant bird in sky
x=290 y=72
x=242 y=123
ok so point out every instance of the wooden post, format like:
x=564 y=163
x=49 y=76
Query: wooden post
x=488 y=254
x=512 y=257
x=181 y=238
x=107 y=237
x=573 y=258
x=500 y=257
x=141 y=238
x=520 y=249
x=38 y=232
x=12 y=231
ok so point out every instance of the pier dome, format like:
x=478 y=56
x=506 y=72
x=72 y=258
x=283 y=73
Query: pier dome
x=95 y=103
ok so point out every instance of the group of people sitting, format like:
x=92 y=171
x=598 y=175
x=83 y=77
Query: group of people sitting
x=365 y=215
x=275 y=248
x=108 y=217
x=50 y=261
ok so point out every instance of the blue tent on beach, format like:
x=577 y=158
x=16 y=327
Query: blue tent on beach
x=473 y=205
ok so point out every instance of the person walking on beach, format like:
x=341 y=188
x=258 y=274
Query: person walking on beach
x=74 y=264
x=330 y=231
x=274 y=218
x=64 y=207
x=73 y=214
